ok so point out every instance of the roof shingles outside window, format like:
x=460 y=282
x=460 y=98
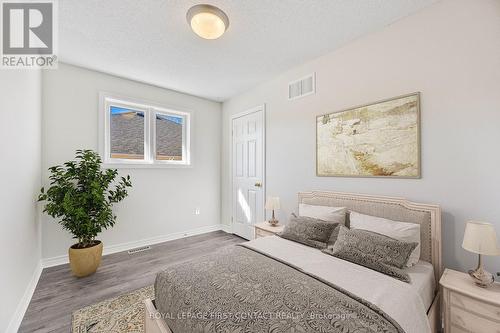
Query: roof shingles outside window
x=168 y=138
x=127 y=134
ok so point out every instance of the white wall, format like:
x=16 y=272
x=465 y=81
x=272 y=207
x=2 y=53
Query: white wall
x=20 y=151
x=450 y=52
x=162 y=201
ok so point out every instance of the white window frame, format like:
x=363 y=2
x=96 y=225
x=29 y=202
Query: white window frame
x=150 y=111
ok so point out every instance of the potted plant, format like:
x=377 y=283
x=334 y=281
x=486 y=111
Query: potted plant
x=80 y=197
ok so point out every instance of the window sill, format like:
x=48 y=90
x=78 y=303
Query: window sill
x=111 y=165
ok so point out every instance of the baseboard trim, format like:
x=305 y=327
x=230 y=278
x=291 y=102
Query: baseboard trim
x=61 y=260
x=22 y=306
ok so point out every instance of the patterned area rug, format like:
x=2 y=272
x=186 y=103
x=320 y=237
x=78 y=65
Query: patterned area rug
x=122 y=314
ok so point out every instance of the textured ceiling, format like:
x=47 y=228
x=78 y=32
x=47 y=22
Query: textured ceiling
x=150 y=40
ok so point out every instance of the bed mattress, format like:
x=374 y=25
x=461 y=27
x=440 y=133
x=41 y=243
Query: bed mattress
x=423 y=281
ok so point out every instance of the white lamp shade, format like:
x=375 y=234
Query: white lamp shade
x=481 y=238
x=272 y=203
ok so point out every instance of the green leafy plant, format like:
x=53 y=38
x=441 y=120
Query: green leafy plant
x=81 y=196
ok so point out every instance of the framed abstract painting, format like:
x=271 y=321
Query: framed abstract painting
x=381 y=139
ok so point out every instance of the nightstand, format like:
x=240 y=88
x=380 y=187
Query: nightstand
x=467 y=307
x=265 y=229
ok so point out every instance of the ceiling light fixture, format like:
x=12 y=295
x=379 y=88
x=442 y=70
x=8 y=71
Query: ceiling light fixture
x=207 y=21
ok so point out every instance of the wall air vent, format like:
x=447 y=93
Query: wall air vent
x=139 y=249
x=302 y=87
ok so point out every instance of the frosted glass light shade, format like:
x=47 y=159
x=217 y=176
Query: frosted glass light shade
x=273 y=203
x=481 y=238
x=207 y=21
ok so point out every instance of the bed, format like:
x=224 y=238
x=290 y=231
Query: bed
x=246 y=288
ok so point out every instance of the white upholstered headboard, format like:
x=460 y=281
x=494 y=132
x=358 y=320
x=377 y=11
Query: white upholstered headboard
x=428 y=216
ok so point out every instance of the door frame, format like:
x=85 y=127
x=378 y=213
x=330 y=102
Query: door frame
x=258 y=108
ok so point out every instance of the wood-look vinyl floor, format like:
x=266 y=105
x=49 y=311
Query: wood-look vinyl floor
x=58 y=293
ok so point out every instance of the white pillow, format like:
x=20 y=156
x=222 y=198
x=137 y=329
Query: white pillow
x=403 y=231
x=325 y=213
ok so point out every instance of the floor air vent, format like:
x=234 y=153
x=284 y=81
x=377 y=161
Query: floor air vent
x=139 y=249
x=302 y=87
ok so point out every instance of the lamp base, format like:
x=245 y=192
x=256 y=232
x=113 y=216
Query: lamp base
x=273 y=222
x=481 y=277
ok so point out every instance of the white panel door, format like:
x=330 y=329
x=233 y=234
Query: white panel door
x=248 y=172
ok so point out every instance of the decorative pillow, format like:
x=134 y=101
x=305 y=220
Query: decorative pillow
x=308 y=231
x=325 y=213
x=378 y=252
x=335 y=232
x=403 y=231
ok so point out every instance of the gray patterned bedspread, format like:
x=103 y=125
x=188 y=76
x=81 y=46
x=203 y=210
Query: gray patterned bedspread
x=239 y=290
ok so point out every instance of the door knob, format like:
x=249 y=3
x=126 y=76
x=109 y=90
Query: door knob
x=258 y=184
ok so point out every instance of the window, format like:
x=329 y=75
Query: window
x=168 y=137
x=126 y=133
x=137 y=133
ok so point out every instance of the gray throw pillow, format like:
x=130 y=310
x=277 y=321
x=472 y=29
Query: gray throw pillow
x=378 y=252
x=308 y=231
x=335 y=232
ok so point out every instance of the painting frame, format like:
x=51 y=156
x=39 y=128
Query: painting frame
x=418 y=143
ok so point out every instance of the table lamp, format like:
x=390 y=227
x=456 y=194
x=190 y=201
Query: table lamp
x=480 y=238
x=273 y=203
